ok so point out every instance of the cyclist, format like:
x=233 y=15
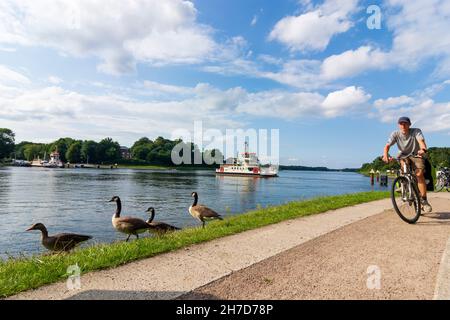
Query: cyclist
x=412 y=146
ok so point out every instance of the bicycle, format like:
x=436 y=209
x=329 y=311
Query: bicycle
x=443 y=180
x=405 y=193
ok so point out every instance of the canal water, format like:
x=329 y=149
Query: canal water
x=75 y=200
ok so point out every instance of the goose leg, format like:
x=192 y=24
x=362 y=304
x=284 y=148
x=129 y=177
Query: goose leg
x=128 y=237
x=137 y=236
x=203 y=224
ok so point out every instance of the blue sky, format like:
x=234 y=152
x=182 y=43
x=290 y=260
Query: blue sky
x=313 y=69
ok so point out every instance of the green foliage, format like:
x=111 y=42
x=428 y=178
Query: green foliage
x=7 y=143
x=144 y=152
x=439 y=157
x=73 y=153
x=159 y=152
x=109 y=150
x=378 y=164
x=89 y=152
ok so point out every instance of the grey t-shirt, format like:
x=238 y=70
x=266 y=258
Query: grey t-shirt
x=407 y=144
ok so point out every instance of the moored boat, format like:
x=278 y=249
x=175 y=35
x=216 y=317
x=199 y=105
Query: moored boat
x=54 y=162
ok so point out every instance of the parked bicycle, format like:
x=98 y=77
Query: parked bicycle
x=405 y=193
x=443 y=180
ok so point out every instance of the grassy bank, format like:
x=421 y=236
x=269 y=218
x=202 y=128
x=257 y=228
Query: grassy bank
x=17 y=275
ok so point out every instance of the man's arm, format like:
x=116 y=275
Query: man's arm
x=391 y=141
x=423 y=147
x=386 y=153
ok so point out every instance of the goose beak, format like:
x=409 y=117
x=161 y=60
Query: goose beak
x=29 y=229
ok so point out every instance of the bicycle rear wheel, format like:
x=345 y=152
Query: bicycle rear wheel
x=406 y=200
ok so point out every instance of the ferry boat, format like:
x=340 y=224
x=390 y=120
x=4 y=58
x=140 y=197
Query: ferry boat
x=54 y=162
x=248 y=165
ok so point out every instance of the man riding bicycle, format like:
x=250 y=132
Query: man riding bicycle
x=412 y=147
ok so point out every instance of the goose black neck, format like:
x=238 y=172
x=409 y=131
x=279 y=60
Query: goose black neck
x=119 y=208
x=44 y=232
x=195 y=200
x=152 y=216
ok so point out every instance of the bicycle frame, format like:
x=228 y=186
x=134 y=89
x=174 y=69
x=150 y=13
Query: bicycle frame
x=406 y=171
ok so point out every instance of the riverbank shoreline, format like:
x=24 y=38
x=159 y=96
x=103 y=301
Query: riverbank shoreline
x=17 y=275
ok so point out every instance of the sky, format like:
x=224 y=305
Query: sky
x=332 y=76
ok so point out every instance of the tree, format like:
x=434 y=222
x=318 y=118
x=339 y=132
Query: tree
x=19 y=149
x=7 y=143
x=141 y=152
x=34 y=150
x=89 y=151
x=439 y=157
x=61 y=145
x=109 y=150
x=73 y=154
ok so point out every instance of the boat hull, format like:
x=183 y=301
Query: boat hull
x=240 y=174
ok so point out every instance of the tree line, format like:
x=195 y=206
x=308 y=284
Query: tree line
x=107 y=151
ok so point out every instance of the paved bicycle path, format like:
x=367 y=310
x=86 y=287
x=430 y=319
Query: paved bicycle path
x=238 y=262
x=412 y=262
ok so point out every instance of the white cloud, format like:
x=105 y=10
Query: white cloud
x=353 y=62
x=165 y=88
x=314 y=29
x=9 y=76
x=393 y=102
x=55 y=80
x=278 y=104
x=343 y=101
x=120 y=35
x=93 y=116
x=7 y=49
x=126 y=118
x=420 y=32
x=423 y=111
x=254 y=21
x=285 y=105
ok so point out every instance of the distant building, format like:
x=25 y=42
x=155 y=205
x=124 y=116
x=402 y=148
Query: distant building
x=125 y=153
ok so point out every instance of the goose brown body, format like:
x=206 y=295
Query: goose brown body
x=61 y=241
x=158 y=226
x=201 y=212
x=128 y=225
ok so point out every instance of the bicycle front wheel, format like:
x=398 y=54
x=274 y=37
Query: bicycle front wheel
x=406 y=200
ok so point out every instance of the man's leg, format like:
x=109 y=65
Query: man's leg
x=419 y=165
x=422 y=183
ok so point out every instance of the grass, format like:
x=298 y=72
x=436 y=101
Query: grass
x=20 y=274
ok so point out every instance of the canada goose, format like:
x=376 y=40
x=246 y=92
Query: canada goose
x=201 y=212
x=59 y=242
x=157 y=226
x=127 y=225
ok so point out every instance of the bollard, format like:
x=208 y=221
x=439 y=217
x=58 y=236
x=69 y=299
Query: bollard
x=372 y=180
x=384 y=180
